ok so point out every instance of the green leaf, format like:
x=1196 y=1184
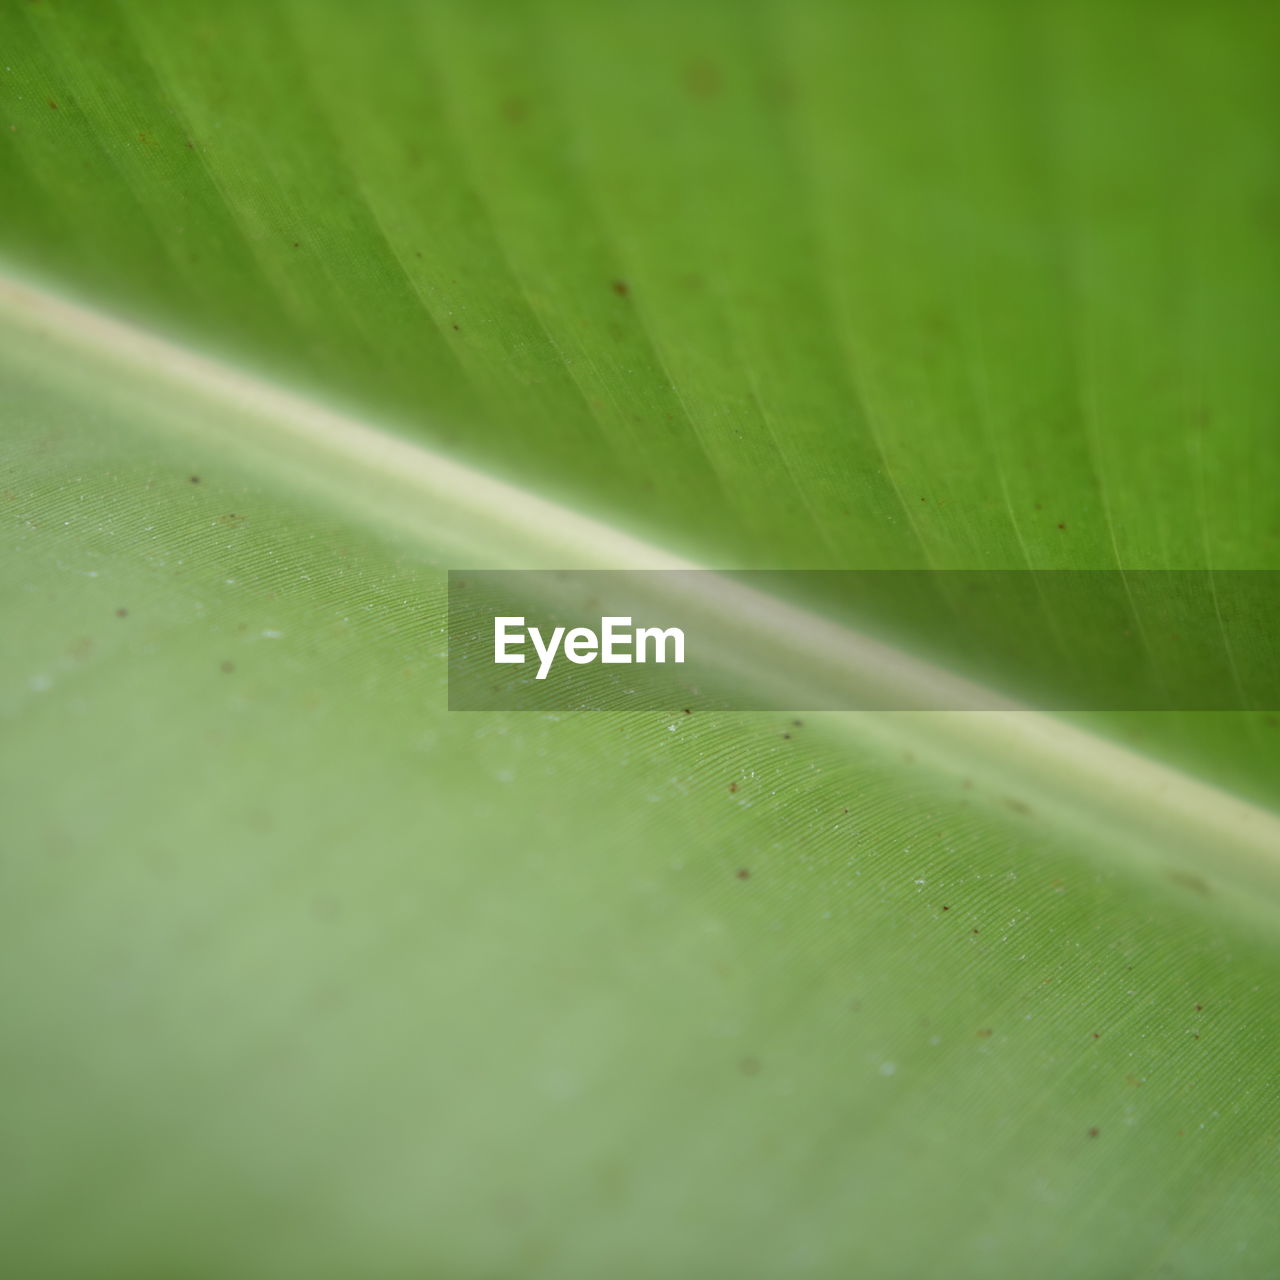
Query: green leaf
x=301 y=973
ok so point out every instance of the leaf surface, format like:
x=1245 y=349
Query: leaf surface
x=303 y=974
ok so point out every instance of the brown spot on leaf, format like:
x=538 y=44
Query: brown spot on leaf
x=733 y=788
x=743 y=873
x=228 y=668
x=515 y=109
x=1188 y=880
x=1094 y=1132
x=122 y=613
x=621 y=288
x=702 y=79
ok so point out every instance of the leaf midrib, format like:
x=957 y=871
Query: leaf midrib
x=1081 y=777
